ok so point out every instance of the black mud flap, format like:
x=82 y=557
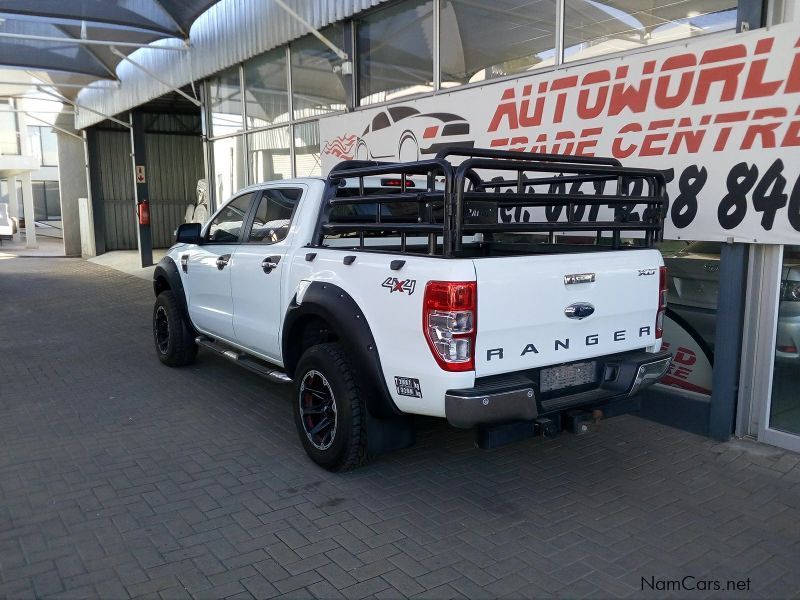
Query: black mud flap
x=389 y=434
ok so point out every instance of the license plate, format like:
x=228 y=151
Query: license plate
x=557 y=378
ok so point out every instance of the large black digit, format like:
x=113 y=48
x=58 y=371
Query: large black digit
x=553 y=213
x=580 y=209
x=669 y=176
x=625 y=212
x=794 y=206
x=733 y=207
x=769 y=196
x=690 y=184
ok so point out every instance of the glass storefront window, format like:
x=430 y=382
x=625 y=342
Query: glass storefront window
x=484 y=40
x=9 y=133
x=691 y=319
x=594 y=27
x=225 y=100
x=46 y=200
x=230 y=168
x=318 y=86
x=784 y=414
x=269 y=155
x=266 y=87
x=44 y=144
x=395 y=51
x=306 y=150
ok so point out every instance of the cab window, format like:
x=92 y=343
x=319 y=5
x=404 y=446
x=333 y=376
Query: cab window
x=227 y=225
x=274 y=215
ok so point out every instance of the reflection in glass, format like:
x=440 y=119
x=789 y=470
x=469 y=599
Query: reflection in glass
x=273 y=215
x=785 y=409
x=269 y=155
x=230 y=170
x=595 y=27
x=266 y=87
x=225 y=100
x=395 y=51
x=306 y=150
x=691 y=319
x=481 y=40
x=227 y=225
x=693 y=285
x=318 y=86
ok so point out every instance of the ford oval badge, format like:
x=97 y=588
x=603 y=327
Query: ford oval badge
x=579 y=310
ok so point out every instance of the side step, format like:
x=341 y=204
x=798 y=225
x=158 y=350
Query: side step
x=243 y=360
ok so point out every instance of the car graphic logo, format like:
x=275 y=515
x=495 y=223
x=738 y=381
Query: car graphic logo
x=711 y=267
x=579 y=310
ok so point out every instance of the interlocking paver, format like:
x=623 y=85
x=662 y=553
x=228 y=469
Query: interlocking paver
x=119 y=477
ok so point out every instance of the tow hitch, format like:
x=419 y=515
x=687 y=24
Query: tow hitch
x=501 y=434
x=577 y=421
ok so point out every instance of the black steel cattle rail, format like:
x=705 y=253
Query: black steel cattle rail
x=455 y=194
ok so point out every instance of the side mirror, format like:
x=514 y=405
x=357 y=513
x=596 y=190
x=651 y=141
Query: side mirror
x=188 y=233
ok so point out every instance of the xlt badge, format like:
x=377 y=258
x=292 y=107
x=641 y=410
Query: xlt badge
x=578 y=278
x=579 y=310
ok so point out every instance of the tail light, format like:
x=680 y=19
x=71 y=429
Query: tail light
x=449 y=316
x=397 y=182
x=662 y=301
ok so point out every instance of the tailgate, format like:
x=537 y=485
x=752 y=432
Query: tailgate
x=523 y=301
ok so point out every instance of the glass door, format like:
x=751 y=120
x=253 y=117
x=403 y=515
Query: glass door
x=781 y=422
x=784 y=414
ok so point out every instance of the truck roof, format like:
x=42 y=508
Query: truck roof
x=258 y=186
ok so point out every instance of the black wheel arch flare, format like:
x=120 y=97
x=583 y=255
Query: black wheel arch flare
x=167 y=271
x=347 y=321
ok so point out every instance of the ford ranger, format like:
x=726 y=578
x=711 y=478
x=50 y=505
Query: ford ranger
x=508 y=292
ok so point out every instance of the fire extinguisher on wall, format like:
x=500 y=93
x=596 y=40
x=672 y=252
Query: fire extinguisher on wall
x=143 y=208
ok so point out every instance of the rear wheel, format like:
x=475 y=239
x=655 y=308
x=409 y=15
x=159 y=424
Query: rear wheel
x=172 y=336
x=329 y=409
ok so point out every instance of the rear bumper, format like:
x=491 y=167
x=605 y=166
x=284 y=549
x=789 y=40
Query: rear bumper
x=516 y=396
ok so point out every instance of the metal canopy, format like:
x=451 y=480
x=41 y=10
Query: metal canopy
x=69 y=43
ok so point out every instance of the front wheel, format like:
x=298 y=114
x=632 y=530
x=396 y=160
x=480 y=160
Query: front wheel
x=329 y=410
x=174 y=342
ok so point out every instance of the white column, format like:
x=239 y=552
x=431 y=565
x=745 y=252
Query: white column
x=13 y=202
x=27 y=203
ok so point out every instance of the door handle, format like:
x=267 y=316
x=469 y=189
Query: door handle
x=269 y=263
x=222 y=261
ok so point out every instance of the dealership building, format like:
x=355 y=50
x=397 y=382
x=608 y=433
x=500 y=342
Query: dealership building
x=178 y=108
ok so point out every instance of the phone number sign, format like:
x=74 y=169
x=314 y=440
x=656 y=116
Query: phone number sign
x=720 y=116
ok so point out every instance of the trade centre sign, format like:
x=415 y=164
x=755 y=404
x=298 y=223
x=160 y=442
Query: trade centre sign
x=719 y=115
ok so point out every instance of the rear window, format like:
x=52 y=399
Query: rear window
x=401 y=112
x=390 y=213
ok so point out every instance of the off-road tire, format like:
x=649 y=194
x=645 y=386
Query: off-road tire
x=348 y=446
x=176 y=348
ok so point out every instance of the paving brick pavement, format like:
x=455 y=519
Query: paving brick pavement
x=122 y=478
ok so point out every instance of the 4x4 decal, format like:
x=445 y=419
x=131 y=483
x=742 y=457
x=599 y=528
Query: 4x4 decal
x=400 y=285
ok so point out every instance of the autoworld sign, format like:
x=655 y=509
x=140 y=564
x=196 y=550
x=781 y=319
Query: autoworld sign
x=720 y=115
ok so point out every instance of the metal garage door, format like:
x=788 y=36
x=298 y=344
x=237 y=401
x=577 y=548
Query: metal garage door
x=175 y=163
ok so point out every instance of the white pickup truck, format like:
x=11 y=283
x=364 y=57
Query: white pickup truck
x=488 y=293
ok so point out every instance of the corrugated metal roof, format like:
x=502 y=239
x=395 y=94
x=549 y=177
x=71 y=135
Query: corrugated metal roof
x=230 y=32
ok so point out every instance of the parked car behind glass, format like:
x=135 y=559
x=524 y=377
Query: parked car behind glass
x=693 y=287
